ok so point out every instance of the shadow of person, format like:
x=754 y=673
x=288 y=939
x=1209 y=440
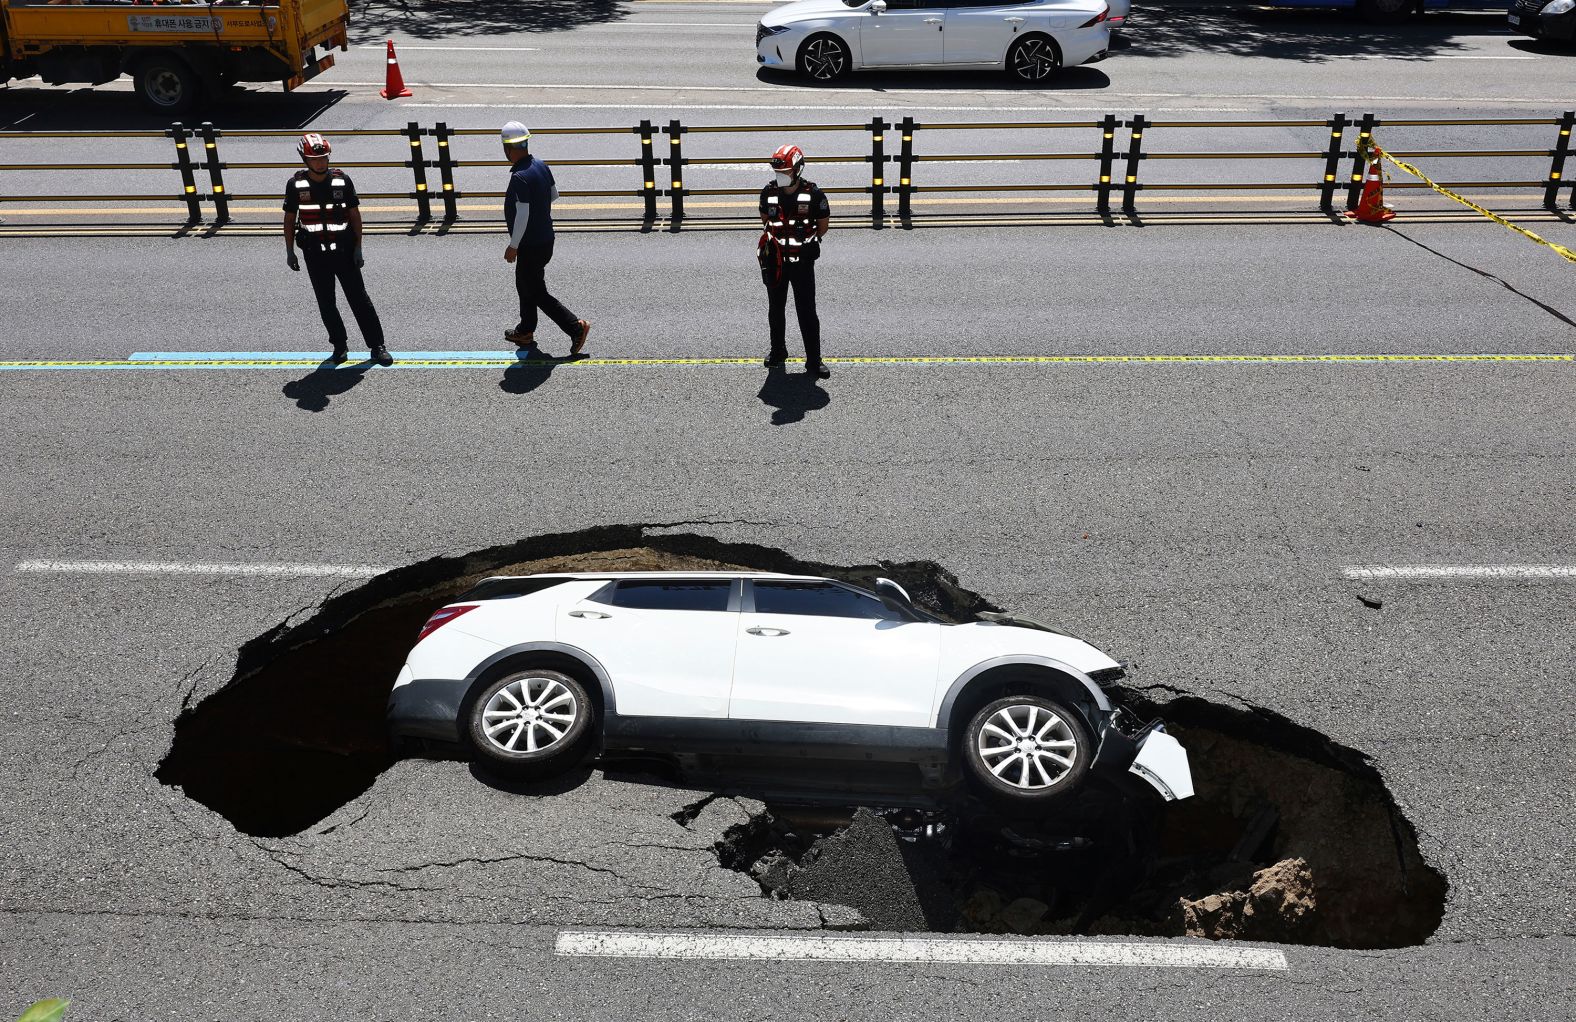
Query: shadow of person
x=529 y=372
x=791 y=394
x=314 y=391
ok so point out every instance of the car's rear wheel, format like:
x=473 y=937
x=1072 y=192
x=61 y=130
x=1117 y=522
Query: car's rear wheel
x=531 y=722
x=824 y=58
x=1027 y=750
x=1034 y=59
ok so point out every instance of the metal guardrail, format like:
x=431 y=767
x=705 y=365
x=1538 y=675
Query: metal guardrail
x=1116 y=163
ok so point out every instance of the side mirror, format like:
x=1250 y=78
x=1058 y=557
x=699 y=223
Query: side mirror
x=877 y=6
x=893 y=596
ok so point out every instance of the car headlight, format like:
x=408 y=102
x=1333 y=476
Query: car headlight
x=1560 y=7
x=762 y=31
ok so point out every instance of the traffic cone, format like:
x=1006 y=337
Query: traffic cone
x=1371 y=208
x=394 y=83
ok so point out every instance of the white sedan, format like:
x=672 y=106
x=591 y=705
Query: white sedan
x=773 y=674
x=1030 y=39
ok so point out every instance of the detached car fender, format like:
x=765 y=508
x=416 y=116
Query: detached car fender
x=1162 y=763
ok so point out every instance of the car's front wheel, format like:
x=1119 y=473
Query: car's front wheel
x=532 y=722
x=825 y=58
x=1033 y=59
x=1027 y=750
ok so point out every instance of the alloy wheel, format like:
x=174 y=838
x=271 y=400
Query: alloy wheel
x=825 y=59
x=529 y=714
x=1028 y=747
x=1034 y=60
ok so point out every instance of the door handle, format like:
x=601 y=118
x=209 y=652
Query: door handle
x=1013 y=21
x=595 y=615
x=932 y=21
x=757 y=630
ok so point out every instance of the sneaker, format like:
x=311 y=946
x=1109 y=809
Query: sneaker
x=776 y=359
x=818 y=370
x=580 y=341
x=381 y=356
x=520 y=338
x=339 y=354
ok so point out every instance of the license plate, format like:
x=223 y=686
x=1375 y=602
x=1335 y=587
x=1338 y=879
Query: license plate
x=1515 y=19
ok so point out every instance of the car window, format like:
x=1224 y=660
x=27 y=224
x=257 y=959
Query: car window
x=672 y=594
x=818 y=598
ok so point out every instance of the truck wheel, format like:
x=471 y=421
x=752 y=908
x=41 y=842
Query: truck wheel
x=167 y=84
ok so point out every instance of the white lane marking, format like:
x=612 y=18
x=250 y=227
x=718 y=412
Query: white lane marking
x=1459 y=571
x=780 y=106
x=866 y=97
x=460 y=49
x=183 y=568
x=718 y=947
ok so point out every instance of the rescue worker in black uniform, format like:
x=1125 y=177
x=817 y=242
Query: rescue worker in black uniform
x=323 y=216
x=796 y=216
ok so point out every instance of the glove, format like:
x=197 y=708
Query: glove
x=358 y=258
x=292 y=262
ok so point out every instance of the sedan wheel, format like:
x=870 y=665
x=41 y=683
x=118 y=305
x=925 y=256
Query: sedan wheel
x=1034 y=59
x=824 y=58
x=533 y=720
x=1027 y=749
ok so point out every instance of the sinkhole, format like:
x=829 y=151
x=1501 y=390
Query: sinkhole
x=1290 y=837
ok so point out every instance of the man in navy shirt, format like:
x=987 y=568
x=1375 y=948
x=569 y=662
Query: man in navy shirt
x=528 y=213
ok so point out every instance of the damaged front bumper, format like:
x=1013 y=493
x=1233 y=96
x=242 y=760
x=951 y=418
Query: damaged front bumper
x=1148 y=753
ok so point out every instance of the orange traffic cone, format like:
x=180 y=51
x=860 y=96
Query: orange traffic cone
x=1371 y=208
x=394 y=83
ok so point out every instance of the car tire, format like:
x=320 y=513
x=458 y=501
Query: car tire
x=824 y=58
x=1026 y=776
x=166 y=84
x=1034 y=59
x=1385 y=12
x=531 y=722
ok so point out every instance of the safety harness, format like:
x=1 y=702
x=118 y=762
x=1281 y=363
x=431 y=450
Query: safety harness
x=790 y=233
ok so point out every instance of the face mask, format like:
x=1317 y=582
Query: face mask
x=783 y=180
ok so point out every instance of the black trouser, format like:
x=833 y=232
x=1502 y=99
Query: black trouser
x=324 y=267
x=530 y=279
x=801 y=277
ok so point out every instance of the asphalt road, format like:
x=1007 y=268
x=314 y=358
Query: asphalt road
x=1195 y=517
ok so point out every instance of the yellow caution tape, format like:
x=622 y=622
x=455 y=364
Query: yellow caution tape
x=1447 y=193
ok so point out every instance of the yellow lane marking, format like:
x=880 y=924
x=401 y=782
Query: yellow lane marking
x=440 y=363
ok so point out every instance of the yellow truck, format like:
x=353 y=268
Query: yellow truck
x=178 y=54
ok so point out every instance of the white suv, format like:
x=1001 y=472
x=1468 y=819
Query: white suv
x=533 y=674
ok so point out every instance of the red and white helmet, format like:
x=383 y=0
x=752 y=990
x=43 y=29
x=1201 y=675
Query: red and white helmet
x=313 y=144
x=788 y=159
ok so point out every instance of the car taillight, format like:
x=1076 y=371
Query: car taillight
x=442 y=617
x=1092 y=22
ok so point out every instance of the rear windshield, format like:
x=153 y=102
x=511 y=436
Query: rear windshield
x=508 y=588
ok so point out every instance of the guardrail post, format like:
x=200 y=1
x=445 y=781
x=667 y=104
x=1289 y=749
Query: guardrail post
x=1135 y=152
x=676 y=170
x=1332 y=162
x=183 y=163
x=878 y=129
x=210 y=146
x=418 y=168
x=648 y=170
x=1102 y=189
x=905 y=169
x=1354 y=185
x=1562 y=148
x=446 y=171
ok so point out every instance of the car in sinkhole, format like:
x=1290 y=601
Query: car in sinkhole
x=790 y=686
